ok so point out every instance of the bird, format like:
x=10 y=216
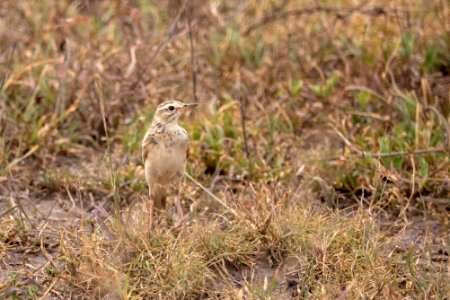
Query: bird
x=165 y=150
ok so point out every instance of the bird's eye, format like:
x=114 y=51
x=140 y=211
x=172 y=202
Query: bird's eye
x=171 y=107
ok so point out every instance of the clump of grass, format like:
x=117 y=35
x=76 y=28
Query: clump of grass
x=328 y=254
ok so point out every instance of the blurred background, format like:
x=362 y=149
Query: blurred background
x=336 y=105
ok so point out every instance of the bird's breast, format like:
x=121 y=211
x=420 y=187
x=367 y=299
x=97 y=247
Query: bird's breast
x=168 y=160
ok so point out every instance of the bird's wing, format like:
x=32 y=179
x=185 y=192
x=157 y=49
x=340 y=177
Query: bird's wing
x=148 y=144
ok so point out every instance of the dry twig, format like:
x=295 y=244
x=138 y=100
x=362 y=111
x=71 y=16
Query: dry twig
x=192 y=47
x=242 y=110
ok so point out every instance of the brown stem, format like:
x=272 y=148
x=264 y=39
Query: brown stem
x=192 y=46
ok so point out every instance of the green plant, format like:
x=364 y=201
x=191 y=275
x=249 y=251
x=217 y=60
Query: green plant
x=325 y=90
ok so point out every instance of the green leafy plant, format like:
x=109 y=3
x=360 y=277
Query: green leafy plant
x=325 y=90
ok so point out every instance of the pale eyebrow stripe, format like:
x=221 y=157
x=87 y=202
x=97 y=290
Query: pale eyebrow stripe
x=163 y=107
x=169 y=104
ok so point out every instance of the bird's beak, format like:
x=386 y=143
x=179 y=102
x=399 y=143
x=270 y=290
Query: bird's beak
x=190 y=105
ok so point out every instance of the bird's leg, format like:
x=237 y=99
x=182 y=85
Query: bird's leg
x=150 y=212
x=178 y=205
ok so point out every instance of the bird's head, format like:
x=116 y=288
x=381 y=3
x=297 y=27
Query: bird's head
x=169 y=111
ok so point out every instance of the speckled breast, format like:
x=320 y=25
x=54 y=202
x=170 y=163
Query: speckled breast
x=169 y=160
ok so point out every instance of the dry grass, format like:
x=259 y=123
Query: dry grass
x=338 y=188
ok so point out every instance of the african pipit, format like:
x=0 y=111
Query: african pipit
x=164 y=151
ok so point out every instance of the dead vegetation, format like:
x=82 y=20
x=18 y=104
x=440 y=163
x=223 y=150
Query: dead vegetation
x=324 y=129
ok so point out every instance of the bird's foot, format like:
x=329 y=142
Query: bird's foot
x=178 y=219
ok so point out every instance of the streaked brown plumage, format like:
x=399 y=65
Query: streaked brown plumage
x=164 y=152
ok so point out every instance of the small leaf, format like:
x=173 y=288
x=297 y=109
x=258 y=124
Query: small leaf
x=333 y=81
x=423 y=168
x=398 y=162
x=384 y=144
x=431 y=60
x=296 y=87
x=363 y=98
x=316 y=88
x=407 y=45
x=327 y=90
x=329 y=86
